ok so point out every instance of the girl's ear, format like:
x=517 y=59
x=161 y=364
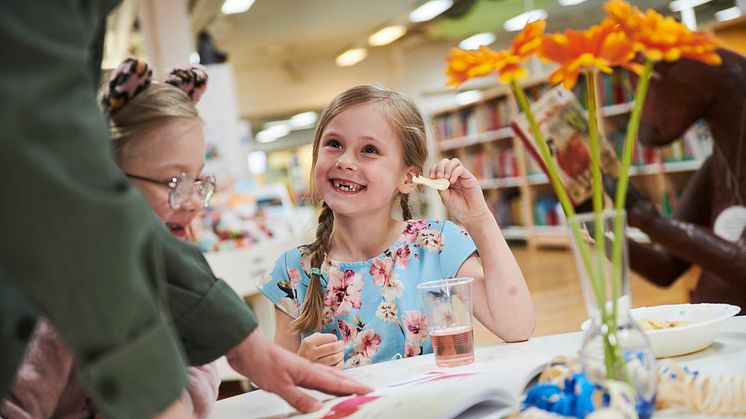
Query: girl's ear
x=408 y=185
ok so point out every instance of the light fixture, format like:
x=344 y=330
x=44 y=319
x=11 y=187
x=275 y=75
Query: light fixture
x=519 y=22
x=351 y=57
x=303 y=120
x=429 y=10
x=679 y=5
x=474 y=41
x=728 y=14
x=387 y=35
x=570 y=2
x=469 y=96
x=274 y=130
x=236 y=6
x=257 y=161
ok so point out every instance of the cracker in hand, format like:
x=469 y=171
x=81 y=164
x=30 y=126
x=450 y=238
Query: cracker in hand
x=439 y=184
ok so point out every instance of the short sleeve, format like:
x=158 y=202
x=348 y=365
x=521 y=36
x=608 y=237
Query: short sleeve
x=280 y=283
x=457 y=247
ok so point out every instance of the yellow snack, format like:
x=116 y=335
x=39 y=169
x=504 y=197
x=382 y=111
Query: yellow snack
x=439 y=184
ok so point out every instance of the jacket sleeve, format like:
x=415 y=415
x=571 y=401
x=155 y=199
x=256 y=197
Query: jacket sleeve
x=78 y=241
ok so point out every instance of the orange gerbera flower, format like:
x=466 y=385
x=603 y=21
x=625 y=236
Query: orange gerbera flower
x=601 y=46
x=659 y=37
x=463 y=65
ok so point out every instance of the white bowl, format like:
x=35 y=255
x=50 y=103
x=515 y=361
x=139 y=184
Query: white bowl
x=702 y=323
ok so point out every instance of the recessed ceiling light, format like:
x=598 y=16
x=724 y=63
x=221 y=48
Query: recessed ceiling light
x=474 y=41
x=679 y=5
x=519 y=22
x=429 y=10
x=276 y=129
x=303 y=120
x=728 y=14
x=387 y=35
x=570 y=2
x=236 y=6
x=351 y=57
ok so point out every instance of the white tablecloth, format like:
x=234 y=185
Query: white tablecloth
x=512 y=364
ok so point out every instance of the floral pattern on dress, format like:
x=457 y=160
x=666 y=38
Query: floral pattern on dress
x=374 y=306
x=343 y=291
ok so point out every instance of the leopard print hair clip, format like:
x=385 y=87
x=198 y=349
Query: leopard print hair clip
x=134 y=76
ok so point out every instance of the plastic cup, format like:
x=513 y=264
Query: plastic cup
x=447 y=304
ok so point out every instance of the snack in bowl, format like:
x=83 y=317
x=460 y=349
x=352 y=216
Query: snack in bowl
x=648 y=324
x=680 y=329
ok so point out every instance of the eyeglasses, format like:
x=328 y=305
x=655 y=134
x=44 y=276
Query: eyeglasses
x=182 y=187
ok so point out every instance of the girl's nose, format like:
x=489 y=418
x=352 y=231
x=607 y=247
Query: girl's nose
x=194 y=203
x=344 y=164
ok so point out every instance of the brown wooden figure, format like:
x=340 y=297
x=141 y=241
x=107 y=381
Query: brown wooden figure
x=707 y=227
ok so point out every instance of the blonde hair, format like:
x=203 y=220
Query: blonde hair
x=407 y=122
x=155 y=106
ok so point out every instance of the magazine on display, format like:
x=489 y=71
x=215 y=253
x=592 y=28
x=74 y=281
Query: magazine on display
x=565 y=127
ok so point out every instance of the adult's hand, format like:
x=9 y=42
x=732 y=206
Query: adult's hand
x=280 y=371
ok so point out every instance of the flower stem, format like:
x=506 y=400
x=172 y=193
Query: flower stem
x=598 y=204
x=559 y=189
x=623 y=182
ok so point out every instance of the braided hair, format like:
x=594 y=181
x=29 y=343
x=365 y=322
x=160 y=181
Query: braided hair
x=409 y=126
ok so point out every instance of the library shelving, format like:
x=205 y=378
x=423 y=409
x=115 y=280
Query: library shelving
x=519 y=193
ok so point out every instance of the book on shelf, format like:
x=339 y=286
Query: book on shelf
x=562 y=121
x=430 y=395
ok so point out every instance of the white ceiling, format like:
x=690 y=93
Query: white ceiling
x=283 y=50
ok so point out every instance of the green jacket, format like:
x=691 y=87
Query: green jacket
x=79 y=245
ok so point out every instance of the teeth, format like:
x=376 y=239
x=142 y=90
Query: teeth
x=347 y=188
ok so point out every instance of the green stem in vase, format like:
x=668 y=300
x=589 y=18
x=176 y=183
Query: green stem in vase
x=598 y=203
x=622 y=183
x=554 y=178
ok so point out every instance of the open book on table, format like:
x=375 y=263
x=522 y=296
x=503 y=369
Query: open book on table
x=565 y=127
x=436 y=395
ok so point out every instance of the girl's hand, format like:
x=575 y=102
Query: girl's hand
x=323 y=348
x=464 y=198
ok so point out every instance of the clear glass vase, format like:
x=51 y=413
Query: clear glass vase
x=614 y=347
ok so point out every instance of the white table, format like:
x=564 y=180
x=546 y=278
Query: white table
x=512 y=364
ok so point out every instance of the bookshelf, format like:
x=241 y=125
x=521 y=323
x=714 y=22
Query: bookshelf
x=517 y=190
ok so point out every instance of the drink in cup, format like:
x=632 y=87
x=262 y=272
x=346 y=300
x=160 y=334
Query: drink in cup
x=447 y=304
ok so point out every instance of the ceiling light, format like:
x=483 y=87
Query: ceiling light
x=429 y=10
x=303 y=120
x=474 y=41
x=351 y=57
x=679 y=5
x=236 y=6
x=728 y=14
x=469 y=96
x=570 y=2
x=387 y=35
x=274 y=130
x=519 y=22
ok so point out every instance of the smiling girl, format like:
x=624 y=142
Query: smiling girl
x=350 y=298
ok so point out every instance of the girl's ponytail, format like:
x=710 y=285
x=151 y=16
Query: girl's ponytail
x=406 y=213
x=310 y=318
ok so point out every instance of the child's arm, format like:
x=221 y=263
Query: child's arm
x=323 y=348
x=501 y=298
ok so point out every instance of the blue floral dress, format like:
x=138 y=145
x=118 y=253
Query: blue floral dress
x=374 y=306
